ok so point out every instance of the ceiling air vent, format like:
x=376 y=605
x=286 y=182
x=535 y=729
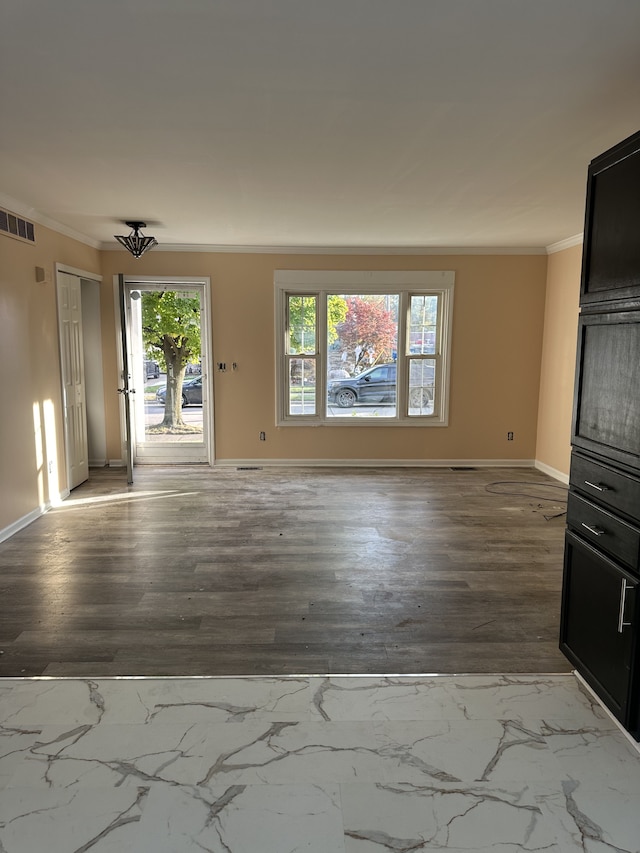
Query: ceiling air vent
x=15 y=226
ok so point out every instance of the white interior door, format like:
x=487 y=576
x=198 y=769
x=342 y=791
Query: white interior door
x=73 y=386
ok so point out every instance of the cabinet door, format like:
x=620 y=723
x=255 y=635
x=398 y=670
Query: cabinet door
x=606 y=417
x=597 y=632
x=611 y=256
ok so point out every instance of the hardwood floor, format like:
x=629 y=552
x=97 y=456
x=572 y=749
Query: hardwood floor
x=198 y=571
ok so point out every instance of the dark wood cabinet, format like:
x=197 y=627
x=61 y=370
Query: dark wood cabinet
x=599 y=628
x=607 y=400
x=611 y=255
x=600 y=621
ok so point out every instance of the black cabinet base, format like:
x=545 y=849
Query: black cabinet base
x=595 y=634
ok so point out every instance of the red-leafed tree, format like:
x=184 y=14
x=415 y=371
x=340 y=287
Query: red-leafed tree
x=369 y=330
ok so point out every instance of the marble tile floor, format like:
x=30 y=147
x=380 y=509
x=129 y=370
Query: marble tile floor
x=351 y=764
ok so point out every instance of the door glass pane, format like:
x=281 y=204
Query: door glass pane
x=172 y=376
x=423 y=324
x=302 y=386
x=422 y=374
x=362 y=348
x=165 y=366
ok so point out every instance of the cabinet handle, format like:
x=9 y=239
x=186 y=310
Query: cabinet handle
x=597 y=486
x=623 y=595
x=597 y=531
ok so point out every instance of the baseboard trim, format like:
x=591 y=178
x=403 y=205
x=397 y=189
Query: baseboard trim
x=21 y=523
x=552 y=472
x=374 y=463
x=634 y=743
x=32 y=516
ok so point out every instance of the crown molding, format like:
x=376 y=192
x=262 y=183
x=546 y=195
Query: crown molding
x=338 y=250
x=561 y=245
x=34 y=215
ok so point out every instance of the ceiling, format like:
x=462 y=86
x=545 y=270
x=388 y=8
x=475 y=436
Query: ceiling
x=406 y=124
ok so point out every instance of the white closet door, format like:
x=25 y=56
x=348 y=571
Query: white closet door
x=73 y=387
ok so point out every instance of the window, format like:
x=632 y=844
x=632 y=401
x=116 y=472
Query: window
x=358 y=348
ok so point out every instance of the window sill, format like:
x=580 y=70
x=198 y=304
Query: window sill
x=352 y=422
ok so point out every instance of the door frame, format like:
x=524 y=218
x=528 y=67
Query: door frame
x=165 y=281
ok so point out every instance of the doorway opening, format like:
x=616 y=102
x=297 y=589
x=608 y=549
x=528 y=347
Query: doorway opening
x=167 y=341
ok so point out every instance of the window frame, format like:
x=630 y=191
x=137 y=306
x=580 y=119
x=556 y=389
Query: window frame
x=323 y=283
x=304 y=354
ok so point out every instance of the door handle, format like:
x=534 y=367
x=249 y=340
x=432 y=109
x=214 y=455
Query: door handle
x=623 y=596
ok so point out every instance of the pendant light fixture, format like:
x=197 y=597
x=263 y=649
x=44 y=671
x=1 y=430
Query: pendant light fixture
x=136 y=243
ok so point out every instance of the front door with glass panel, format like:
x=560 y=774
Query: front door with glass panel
x=168 y=348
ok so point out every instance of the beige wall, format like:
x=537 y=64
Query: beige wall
x=497 y=349
x=29 y=370
x=558 y=360
x=497 y=357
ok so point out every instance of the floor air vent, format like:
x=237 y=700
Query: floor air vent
x=462 y=468
x=16 y=227
x=249 y=468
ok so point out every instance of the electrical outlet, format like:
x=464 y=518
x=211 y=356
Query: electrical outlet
x=263 y=436
x=509 y=436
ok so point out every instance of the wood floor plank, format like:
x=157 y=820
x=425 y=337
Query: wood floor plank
x=199 y=571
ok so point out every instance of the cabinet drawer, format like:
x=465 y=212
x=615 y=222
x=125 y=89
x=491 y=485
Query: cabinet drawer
x=604 y=530
x=609 y=487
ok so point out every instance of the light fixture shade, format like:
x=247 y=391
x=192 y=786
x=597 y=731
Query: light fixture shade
x=135 y=242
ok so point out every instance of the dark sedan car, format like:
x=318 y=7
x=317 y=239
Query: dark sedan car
x=191 y=392
x=377 y=384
